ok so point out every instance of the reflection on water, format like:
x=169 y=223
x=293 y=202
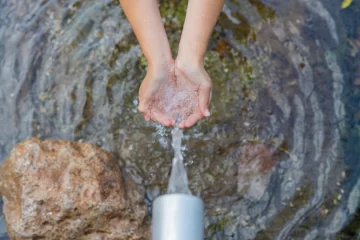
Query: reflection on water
x=2 y=228
x=282 y=73
x=2 y=223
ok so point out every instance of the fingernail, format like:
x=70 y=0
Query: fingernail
x=207 y=113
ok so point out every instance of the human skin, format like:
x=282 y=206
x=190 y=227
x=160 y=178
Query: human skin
x=187 y=69
x=144 y=17
x=201 y=16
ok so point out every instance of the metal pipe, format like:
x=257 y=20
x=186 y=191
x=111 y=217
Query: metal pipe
x=178 y=217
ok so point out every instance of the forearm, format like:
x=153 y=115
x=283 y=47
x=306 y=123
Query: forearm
x=200 y=20
x=144 y=17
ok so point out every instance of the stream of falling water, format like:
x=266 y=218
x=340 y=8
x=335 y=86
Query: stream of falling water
x=178 y=182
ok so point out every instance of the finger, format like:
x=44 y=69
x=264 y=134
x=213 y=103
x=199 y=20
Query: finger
x=204 y=98
x=145 y=102
x=192 y=119
x=158 y=116
x=182 y=124
x=145 y=110
x=147 y=117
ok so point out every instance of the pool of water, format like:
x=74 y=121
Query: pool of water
x=286 y=87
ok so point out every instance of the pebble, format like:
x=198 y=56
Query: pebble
x=339 y=197
x=324 y=212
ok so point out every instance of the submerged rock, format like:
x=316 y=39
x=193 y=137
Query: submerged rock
x=256 y=164
x=68 y=190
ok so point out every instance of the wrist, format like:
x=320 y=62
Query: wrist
x=160 y=63
x=157 y=51
x=191 y=51
x=189 y=62
x=190 y=58
x=161 y=69
x=159 y=57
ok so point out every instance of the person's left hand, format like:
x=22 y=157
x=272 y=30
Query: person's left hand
x=193 y=76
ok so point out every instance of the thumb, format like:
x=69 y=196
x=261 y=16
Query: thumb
x=204 y=98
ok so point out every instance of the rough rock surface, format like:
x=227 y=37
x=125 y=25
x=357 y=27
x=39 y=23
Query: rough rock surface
x=68 y=190
x=256 y=164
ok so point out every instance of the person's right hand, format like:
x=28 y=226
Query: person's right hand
x=158 y=76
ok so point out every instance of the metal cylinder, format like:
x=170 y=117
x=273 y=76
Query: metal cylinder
x=178 y=217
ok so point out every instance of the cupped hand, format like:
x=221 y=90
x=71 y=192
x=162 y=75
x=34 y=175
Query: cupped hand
x=194 y=77
x=156 y=78
x=175 y=91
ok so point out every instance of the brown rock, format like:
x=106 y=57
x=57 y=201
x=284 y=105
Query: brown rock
x=256 y=163
x=68 y=190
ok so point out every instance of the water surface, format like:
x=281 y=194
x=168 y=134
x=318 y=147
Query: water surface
x=285 y=89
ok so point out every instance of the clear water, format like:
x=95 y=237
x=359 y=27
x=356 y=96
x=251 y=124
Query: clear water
x=2 y=226
x=285 y=75
x=178 y=182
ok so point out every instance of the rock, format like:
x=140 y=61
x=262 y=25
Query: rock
x=68 y=190
x=256 y=163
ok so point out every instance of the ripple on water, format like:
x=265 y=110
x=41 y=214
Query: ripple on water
x=72 y=69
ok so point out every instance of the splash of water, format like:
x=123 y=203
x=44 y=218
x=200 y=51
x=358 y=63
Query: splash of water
x=178 y=182
x=177 y=101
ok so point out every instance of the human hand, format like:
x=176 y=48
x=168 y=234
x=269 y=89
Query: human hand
x=157 y=77
x=175 y=91
x=161 y=98
x=193 y=76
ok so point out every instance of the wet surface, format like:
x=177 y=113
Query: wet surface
x=2 y=223
x=286 y=88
